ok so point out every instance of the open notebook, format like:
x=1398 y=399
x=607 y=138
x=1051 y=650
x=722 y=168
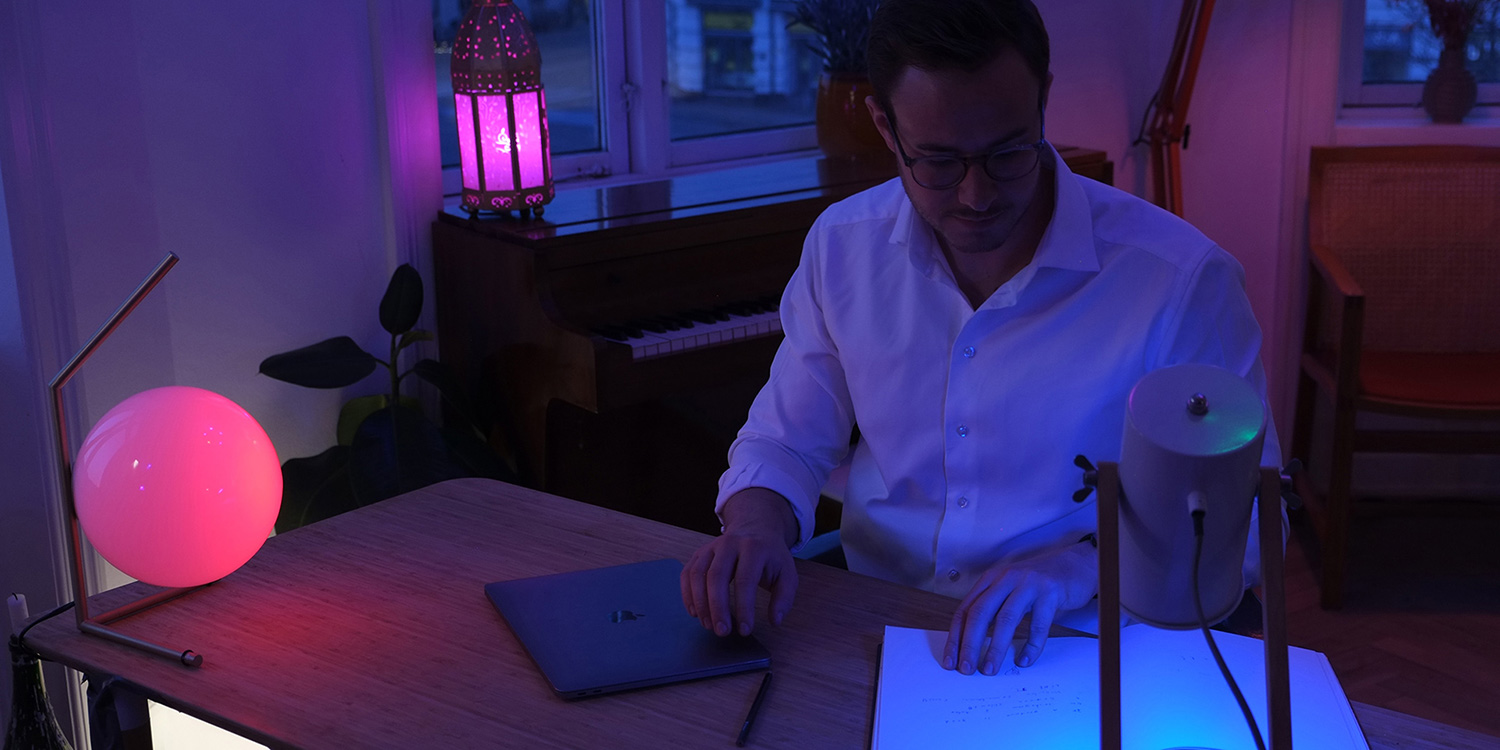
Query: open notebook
x=1173 y=696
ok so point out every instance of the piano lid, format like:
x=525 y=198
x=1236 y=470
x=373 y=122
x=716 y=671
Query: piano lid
x=581 y=210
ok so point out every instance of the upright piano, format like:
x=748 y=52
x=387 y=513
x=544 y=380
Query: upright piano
x=614 y=344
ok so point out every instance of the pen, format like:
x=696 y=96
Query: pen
x=760 y=696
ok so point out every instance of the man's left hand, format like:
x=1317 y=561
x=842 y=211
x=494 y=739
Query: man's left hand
x=1043 y=585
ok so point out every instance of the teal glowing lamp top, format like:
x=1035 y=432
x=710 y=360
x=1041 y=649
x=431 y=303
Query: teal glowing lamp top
x=1226 y=416
x=177 y=486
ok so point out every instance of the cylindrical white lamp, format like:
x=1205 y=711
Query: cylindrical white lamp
x=1193 y=436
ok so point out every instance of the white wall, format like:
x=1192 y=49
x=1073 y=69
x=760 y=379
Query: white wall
x=1108 y=59
x=285 y=149
x=1232 y=170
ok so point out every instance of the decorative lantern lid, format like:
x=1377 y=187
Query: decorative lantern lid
x=494 y=50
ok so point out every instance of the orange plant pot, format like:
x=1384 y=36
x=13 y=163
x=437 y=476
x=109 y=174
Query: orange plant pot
x=843 y=122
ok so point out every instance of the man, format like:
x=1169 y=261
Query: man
x=982 y=321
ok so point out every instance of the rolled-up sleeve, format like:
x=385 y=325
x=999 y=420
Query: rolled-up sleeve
x=799 y=425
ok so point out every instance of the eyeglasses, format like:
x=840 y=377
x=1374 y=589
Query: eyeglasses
x=943 y=172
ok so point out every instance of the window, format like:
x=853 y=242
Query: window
x=734 y=80
x=1386 y=64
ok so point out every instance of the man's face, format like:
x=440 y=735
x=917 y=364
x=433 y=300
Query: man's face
x=957 y=113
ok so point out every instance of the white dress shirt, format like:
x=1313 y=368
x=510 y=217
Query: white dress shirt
x=970 y=419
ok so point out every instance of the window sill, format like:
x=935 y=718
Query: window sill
x=1387 y=126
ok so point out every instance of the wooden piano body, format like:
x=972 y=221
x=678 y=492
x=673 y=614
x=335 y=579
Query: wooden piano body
x=520 y=304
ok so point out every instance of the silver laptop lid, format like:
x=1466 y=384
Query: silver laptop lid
x=618 y=628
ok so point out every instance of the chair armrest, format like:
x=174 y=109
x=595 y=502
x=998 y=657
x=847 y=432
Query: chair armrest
x=1333 y=272
x=1343 y=371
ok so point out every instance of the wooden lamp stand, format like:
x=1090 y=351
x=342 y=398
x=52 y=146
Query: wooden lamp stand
x=1273 y=611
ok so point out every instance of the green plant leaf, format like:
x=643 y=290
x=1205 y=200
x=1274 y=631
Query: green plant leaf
x=402 y=303
x=476 y=456
x=334 y=363
x=442 y=377
x=357 y=410
x=354 y=412
x=412 y=337
x=315 y=488
x=398 y=450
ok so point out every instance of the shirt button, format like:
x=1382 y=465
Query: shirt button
x=963 y=431
x=968 y=351
x=953 y=575
x=963 y=502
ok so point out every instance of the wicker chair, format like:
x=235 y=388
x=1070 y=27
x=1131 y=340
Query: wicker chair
x=1403 y=314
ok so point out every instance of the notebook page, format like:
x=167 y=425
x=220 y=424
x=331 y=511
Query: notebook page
x=1173 y=695
x=920 y=705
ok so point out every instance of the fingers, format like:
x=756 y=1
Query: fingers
x=971 y=623
x=695 y=585
x=1006 y=621
x=996 y=607
x=783 y=591
x=1042 y=614
x=746 y=577
x=956 y=626
x=716 y=584
x=685 y=581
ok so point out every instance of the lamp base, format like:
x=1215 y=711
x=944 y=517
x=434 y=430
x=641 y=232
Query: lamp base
x=1273 y=613
x=97 y=626
x=523 y=214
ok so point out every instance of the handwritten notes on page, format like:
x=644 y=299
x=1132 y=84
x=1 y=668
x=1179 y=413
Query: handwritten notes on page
x=922 y=705
x=1173 y=696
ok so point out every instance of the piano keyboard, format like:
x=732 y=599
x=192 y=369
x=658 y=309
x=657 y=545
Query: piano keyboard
x=670 y=334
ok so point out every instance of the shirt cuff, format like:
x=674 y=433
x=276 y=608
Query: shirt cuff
x=771 y=478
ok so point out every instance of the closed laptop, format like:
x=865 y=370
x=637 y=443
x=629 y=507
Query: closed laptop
x=618 y=628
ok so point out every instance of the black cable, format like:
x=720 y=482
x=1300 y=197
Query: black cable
x=1140 y=136
x=1209 y=636
x=21 y=637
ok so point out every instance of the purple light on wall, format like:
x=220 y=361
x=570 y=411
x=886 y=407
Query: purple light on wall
x=502 y=112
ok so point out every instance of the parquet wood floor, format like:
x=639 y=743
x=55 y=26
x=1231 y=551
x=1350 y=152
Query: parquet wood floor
x=1420 y=629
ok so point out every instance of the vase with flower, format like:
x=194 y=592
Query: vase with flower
x=1450 y=90
x=842 y=28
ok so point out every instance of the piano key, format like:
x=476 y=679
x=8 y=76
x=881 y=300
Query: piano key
x=656 y=343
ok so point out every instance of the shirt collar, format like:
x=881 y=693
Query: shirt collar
x=1068 y=242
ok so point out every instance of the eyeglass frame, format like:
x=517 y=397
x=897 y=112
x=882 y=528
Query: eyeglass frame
x=967 y=161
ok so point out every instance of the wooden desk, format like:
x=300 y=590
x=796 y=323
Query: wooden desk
x=372 y=629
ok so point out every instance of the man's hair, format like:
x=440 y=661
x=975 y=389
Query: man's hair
x=952 y=35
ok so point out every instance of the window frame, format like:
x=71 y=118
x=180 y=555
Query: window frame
x=635 y=118
x=1355 y=94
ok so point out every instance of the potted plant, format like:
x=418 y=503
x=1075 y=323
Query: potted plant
x=842 y=28
x=385 y=444
x=1450 y=90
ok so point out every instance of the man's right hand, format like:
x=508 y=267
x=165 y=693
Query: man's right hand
x=718 y=583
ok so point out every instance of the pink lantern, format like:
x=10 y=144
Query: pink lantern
x=177 y=486
x=502 y=112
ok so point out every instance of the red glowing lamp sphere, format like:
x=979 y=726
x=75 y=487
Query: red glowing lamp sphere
x=177 y=486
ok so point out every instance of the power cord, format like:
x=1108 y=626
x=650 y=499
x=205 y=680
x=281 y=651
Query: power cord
x=1197 y=511
x=21 y=636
